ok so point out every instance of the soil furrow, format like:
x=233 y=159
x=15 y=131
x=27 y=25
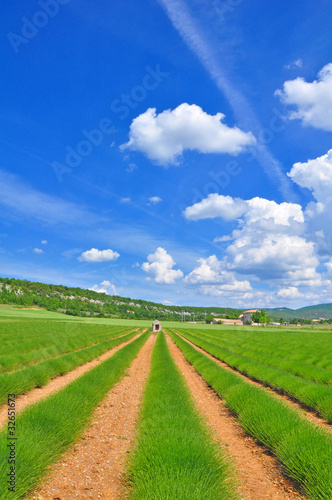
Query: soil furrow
x=260 y=474
x=93 y=468
x=301 y=408
x=56 y=384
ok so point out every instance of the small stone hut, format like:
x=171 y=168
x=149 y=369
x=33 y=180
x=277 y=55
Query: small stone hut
x=247 y=315
x=156 y=326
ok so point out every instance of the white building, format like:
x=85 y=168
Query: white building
x=156 y=326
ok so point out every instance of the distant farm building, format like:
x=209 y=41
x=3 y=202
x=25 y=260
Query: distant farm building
x=227 y=321
x=156 y=326
x=247 y=315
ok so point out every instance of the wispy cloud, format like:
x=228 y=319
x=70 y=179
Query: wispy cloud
x=20 y=200
x=197 y=39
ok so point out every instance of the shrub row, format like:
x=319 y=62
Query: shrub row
x=46 y=429
x=38 y=375
x=276 y=359
x=304 y=449
x=315 y=396
x=175 y=456
x=56 y=346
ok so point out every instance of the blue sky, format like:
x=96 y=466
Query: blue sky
x=169 y=150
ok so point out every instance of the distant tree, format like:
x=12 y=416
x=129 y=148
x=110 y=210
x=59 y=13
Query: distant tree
x=260 y=317
x=209 y=319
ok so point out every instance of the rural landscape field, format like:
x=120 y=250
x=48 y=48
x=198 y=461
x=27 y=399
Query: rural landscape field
x=109 y=409
x=166 y=250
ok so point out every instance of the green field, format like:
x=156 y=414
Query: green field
x=36 y=346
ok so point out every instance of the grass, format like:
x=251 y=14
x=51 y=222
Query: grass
x=37 y=349
x=314 y=395
x=304 y=449
x=45 y=430
x=304 y=367
x=28 y=378
x=175 y=456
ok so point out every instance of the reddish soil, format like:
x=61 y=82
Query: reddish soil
x=93 y=467
x=56 y=383
x=259 y=473
x=303 y=411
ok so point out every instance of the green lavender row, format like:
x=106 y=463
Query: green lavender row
x=175 y=456
x=45 y=430
x=299 y=368
x=316 y=396
x=33 y=376
x=304 y=449
x=21 y=337
x=60 y=345
x=313 y=347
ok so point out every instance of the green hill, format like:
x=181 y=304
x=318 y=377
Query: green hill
x=81 y=302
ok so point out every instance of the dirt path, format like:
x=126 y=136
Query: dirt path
x=57 y=383
x=93 y=467
x=302 y=409
x=259 y=473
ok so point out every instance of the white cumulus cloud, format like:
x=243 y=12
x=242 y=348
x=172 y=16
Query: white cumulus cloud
x=104 y=287
x=165 y=136
x=268 y=243
x=256 y=209
x=159 y=267
x=38 y=250
x=95 y=255
x=313 y=100
x=315 y=175
x=289 y=293
x=216 y=205
x=213 y=277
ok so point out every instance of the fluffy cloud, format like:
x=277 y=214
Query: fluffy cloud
x=216 y=205
x=267 y=244
x=214 y=279
x=38 y=250
x=104 y=287
x=289 y=293
x=95 y=255
x=255 y=210
x=160 y=267
x=163 y=137
x=313 y=100
x=270 y=256
x=315 y=175
x=154 y=200
x=44 y=242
